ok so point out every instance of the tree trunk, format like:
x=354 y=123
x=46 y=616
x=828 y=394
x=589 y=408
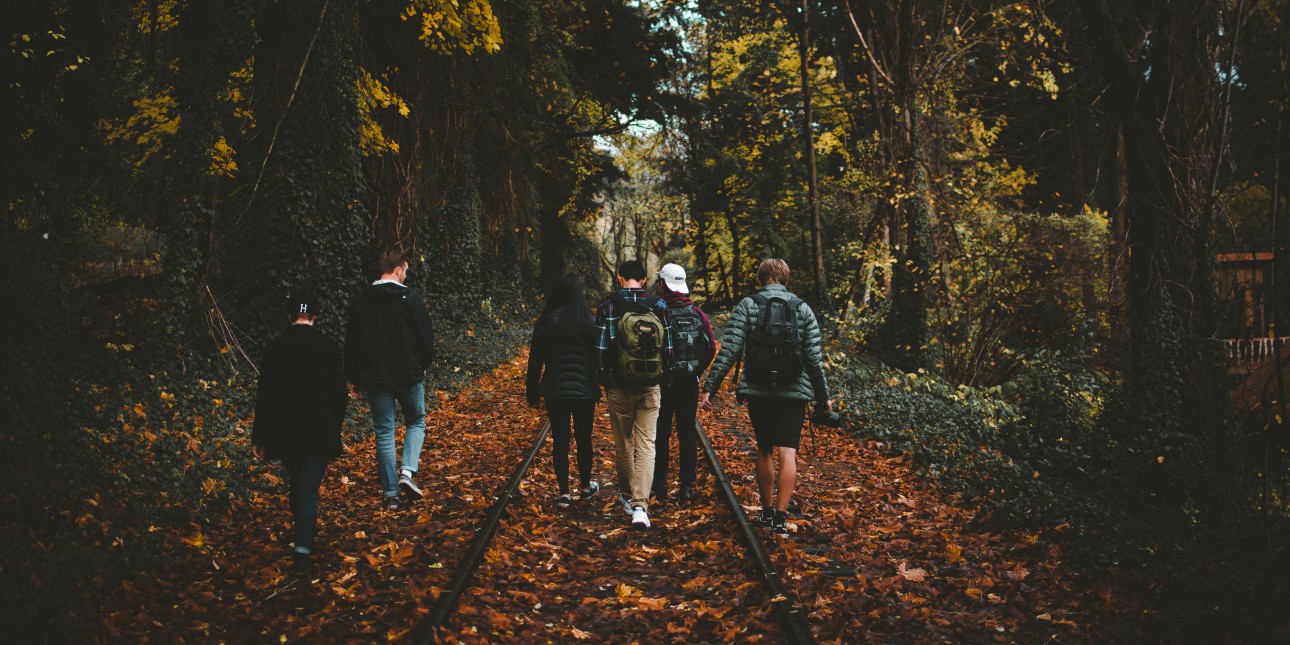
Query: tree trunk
x=823 y=302
x=1174 y=395
x=306 y=224
x=210 y=34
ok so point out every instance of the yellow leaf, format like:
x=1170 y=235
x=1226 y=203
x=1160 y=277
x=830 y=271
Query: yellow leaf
x=624 y=591
x=953 y=553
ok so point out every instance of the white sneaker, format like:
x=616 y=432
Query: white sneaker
x=410 y=487
x=640 y=519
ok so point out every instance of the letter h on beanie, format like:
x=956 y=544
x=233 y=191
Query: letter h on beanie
x=303 y=302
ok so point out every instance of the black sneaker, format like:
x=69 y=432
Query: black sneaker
x=793 y=508
x=564 y=501
x=302 y=563
x=659 y=495
x=590 y=491
x=686 y=494
x=390 y=503
x=779 y=524
x=764 y=519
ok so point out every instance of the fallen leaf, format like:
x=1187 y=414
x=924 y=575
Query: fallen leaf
x=912 y=575
x=1016 y=575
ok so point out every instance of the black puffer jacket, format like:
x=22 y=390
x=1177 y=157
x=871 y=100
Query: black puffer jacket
x=389 y=341
x=300 y=399
x=561 y=367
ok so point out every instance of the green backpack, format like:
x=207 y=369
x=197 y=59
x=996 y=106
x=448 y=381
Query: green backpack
x=639 y=359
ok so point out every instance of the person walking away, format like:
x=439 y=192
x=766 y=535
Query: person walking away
x=389 y=344
x=562 y=370
x=778 y=337
x=693 y=347
x=300 y=403
x=634 y=343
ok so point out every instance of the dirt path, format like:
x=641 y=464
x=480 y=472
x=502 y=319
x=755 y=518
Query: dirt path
x=877 y=553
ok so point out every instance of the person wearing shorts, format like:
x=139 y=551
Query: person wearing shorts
x=776 y=414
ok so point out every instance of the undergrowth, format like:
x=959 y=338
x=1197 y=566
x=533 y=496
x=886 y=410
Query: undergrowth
x=146 y=447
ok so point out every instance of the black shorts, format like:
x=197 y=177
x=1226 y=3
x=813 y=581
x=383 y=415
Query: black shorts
x=776 y=422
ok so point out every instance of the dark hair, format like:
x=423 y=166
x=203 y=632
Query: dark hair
x=632 y=270
x=567 y=307
x=391 y=260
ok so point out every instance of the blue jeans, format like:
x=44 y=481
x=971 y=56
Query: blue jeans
x=412 y=401
x=305 y=475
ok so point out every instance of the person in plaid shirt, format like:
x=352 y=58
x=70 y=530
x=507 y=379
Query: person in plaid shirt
x=633 y=409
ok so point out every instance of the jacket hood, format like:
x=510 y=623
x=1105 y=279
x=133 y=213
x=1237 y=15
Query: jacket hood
x=676 y=300
x=387 y=291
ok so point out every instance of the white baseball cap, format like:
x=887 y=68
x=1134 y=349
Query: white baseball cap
x=674 y=277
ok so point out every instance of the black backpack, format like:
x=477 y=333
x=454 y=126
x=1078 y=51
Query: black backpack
x=689 y=341
x=773 y=351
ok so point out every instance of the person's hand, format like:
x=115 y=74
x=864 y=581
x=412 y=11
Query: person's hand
x=828 y=405
x=258 y=451
x=355 y=392
x=705 y=401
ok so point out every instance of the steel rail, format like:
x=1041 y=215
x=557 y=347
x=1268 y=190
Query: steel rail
x=447 y=601
x=794 y=621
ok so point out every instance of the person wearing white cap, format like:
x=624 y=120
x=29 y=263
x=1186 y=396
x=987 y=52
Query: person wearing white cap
x=693 y=346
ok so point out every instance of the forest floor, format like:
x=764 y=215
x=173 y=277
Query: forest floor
x=878 y=553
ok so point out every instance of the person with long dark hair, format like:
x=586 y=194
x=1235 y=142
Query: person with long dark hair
x=562 y=370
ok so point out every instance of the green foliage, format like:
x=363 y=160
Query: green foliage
x=1029 y=451
x=1023 y=284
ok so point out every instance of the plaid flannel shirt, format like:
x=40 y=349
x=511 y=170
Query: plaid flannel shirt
x=607 y=327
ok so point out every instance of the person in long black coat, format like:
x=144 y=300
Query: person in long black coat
x=562 y=370
x=299 y=408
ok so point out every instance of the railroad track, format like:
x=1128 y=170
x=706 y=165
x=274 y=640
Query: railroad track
x=791 y=618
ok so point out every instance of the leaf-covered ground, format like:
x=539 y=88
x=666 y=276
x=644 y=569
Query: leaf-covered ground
x=877 y=553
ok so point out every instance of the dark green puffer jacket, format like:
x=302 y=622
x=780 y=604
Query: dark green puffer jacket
x=811 y=386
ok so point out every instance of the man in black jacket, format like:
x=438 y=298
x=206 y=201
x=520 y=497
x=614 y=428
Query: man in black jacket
x=389 y=343
x=299 y=407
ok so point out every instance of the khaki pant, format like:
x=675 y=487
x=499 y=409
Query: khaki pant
x=633 y=416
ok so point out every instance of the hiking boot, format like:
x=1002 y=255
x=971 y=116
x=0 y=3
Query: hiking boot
x=390 y=503
x=764 y=518
x=779 y=524
x=564 y=501
x=590 y=491
x=409 y=487
x=686 y=494
x=640 y=518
